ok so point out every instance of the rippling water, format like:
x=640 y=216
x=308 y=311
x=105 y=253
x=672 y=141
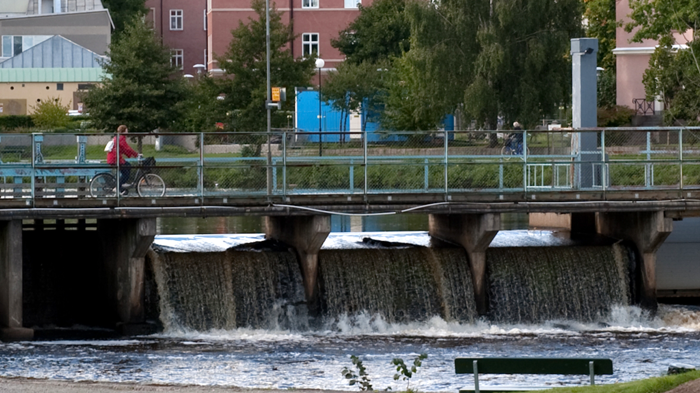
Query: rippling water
x=640 y=347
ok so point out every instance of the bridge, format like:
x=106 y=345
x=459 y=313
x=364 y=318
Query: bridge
x=631 y=186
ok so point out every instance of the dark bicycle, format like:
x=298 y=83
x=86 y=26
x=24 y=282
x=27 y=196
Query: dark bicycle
x=147 y=184
x=513 y=146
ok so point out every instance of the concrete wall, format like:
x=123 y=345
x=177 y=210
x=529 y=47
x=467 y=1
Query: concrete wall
x=31 y=93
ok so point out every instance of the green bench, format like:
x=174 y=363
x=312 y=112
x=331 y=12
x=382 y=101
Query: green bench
x=563 y=366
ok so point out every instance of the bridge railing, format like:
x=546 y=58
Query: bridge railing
x=250 y=165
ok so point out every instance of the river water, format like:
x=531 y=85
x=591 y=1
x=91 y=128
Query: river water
x=640 y=346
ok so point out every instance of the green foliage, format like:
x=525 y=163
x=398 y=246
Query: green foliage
x=650 y=385
x=615 y=116
x=497 y=57
x=602 y=24
x=380 y=32
x=200 y=110
x=672 y=74
x=411 y=103
x=675 y=76
x=355 y=87
x=607 y=89
x=362 y=379
x=141 y=88
x=12 y=122
x=245 y=90
x=51 y=113
x=405 y=373
x=123 y=11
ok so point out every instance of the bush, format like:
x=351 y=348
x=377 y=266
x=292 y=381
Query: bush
x=11 y=122
x=51 y=113
x=616 y=116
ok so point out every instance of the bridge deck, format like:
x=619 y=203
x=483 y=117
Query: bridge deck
x=211 y=174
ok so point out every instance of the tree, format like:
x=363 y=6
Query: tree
x=602 y=24
x=355 y=87
x=141 y=88
x=674 y=71
x=381 y=31
x=123 y=11
x=497 y=57
x=245 y=67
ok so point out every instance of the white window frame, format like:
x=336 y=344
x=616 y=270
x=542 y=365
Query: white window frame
x=307 y=40
x=177 y=16
x=309 y=3
x=177 y=56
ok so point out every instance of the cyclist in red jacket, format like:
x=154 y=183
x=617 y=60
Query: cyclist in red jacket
x=124 y=150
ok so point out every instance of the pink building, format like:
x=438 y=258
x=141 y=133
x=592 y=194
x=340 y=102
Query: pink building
x=315 y=22
x=183 y=26
x=632 y=61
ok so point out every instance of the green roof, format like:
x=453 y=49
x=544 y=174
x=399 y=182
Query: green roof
x=28 y=75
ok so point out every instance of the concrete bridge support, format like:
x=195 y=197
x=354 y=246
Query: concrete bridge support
x=474 y=232
x=11 y=282
x=306 y=234
x=124 y=244
x=647 y=230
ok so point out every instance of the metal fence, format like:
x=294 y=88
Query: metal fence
x=295 y=163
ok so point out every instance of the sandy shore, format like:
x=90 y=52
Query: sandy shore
x=23 y=385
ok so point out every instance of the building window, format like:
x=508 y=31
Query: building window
x=175 y=19
x=13 y=45
x=352 y=3
x=59 y=86
x=309 y=44
x=309 y=3
x=177 y=58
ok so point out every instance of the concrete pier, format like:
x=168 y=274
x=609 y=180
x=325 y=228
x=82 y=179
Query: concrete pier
x=647 y=230
x=474 y=232
x=124 y=245
x=306 y=234
x=11 y=328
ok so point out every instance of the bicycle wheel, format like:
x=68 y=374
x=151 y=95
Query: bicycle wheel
x=103 y=185
x=507 y=151
x=150 y=185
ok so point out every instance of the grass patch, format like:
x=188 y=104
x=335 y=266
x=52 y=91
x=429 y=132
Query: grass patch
x=651 y=385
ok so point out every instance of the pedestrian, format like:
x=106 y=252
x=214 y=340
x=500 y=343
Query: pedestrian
x=517 y=138
x=124 y=150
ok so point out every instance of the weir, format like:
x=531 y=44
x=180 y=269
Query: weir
x=261 y=287
x=291 y=281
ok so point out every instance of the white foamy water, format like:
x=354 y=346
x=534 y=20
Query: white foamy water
x=353 y=240
x=639 y=346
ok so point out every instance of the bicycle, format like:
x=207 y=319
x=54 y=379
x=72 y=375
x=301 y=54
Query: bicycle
x=512 y=147
x=147 y=184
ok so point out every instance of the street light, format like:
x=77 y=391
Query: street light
x=319 y=64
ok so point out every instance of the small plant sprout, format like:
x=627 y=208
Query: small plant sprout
x=404 y=373
x=362 y=379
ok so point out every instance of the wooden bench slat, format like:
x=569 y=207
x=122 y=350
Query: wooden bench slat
x=562 y=366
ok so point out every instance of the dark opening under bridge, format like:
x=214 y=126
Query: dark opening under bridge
x=631 y=187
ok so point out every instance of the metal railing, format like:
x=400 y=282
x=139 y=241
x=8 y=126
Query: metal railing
x=231 y=165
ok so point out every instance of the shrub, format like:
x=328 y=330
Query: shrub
x=11 y=122
x=51 y=113
x=616 y=116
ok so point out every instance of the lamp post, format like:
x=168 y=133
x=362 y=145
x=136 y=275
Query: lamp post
x=319 y=64
x=269 y=94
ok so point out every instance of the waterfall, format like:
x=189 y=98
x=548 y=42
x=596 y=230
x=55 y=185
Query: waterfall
x=263 y=287
x=536 y=284
x=225 y=290
x=401 y=285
